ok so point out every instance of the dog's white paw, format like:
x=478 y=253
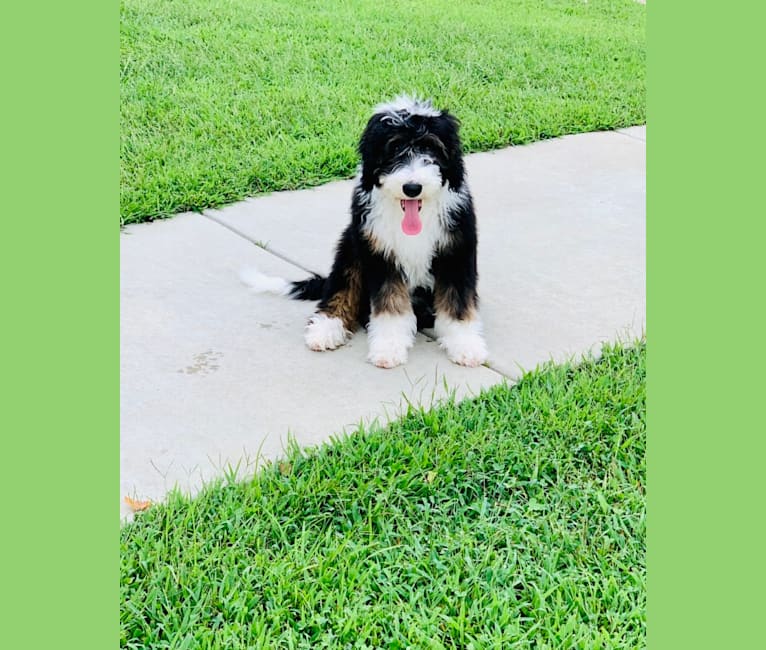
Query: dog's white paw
x=388 y=357
x=390 y=336
x=462 y=340
x=470 y=351
x=324 y=332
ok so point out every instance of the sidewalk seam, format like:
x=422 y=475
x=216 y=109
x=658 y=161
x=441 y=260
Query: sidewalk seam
x=264 y=247
x=628 y=135
x=497 y=370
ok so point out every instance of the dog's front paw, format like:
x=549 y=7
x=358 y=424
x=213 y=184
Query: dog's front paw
x=463 y=340
x=324 y=332
x=468 y=350
x=465 y=348
x=390 y=336
x=388 y=357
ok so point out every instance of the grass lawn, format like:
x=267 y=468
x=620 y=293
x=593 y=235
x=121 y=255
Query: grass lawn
x=512 y=520
x=226 y=98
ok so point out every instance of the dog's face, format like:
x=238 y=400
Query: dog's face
x=411 y=153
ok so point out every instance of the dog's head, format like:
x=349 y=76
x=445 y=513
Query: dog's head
x=411 y=152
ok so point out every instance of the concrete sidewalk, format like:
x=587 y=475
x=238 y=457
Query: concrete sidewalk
x=212 y=374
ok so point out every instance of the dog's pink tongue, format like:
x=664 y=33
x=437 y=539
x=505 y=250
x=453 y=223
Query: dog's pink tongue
x=411 y=224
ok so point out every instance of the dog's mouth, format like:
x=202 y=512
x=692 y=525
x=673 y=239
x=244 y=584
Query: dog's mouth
x=411 y=224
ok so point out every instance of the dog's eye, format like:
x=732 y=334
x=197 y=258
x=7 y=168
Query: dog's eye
x=393 y=146
x=428 y=161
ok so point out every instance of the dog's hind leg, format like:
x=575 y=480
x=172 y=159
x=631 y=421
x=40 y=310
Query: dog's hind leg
x=336 y=317
x=338 y=313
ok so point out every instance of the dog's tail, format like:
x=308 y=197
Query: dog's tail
x=310 y=289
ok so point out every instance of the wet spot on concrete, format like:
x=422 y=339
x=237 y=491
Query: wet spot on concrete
x=204 y=363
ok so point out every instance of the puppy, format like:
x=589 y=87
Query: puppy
x=407 y=260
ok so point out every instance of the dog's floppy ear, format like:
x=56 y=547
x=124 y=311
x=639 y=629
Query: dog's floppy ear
x=370 y=149
x=447 y=127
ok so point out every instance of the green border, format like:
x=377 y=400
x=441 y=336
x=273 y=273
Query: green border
x=706 y=233
x=705 y=242
x=60 y=270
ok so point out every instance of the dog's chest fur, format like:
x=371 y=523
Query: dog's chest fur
x=412 y=254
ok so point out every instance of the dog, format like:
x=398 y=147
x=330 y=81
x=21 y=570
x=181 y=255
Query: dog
x=407 y=260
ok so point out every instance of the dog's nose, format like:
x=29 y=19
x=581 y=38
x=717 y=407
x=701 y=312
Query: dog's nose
x=412 y=189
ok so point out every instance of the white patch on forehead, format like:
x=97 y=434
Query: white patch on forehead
x=406 y=105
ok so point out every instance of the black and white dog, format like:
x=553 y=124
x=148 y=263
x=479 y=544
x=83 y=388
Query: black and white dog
x=407 y=260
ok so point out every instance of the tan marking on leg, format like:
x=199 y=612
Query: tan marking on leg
x=345 y=303
x=393 y=298
x=446 y=301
